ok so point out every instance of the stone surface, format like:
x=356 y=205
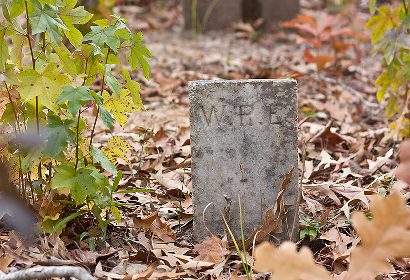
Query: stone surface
x=227 y=12
x=244 y=142
x=223 y=13
x=279 y=10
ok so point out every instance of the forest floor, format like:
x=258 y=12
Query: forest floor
x=346 y=153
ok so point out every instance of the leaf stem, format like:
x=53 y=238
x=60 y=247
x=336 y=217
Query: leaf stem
x=98 y=108
x=17 y=128
x=405 y=6
x=77 y=141
x=33 y=61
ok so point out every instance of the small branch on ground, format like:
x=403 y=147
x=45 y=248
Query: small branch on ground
x=44 y=272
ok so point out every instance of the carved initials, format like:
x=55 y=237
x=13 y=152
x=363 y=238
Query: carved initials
x=212 y=112
x=246 y=110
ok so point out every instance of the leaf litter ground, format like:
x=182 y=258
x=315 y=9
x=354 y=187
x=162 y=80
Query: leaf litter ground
x=346 y=158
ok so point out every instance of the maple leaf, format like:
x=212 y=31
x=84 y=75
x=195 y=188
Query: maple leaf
x=138 y=54
x=384 y=237
x=75 y=97
x=101 y=35
x=285 y=263
x=45 y=19
x=4 y=50
x=46 y=85
x=117 y=148
x=101 y=158
x=134 y=88
x=212 y=249
x=119 y=105
x=81 y=183
x=386 y=19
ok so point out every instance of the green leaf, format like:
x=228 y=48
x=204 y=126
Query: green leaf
x=116 y=181
x=66 y=59
x=372 y=6
x=74 y=16
x=45 y=19
x=73 y=35
x=112 y=81
x=46 y=85
x=4 y=50
x=16 y=53
x=81 y=184
x=134 y=88
x=14 y=8
x=75 y=97
x=103 y=35
x=138 y=54
x=116 y=213
x=101 y=158
x=104 y=114
x=59 y=134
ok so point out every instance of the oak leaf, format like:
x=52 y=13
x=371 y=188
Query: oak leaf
x=285 y=263
x=384 y=237
x=212 y=249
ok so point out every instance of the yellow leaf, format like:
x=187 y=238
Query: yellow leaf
x=117 y=148
x=46 y=85
x=285 y=263
x=384 y=237
x=119 y=105
x=384 y=20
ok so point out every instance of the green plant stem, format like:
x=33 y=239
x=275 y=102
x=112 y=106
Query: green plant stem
x=194 y=19
x=245 y=266
x=33 y=61
x=98 y=108
x=405 y=6
x=16 y=131
x=17 y=127
x=77 y=141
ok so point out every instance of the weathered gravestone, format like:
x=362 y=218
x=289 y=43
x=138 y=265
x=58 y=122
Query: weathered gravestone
x=211 y=14
x=218 y=14
x=244 y=142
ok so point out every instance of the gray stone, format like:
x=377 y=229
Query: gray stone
x=244 y=142
x=213 y=14
x=279 y=10
x=218 y=14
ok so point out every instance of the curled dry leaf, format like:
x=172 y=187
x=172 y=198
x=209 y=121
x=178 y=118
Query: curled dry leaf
x=384 y=237
x=153 y=223
x=286 y=263
x=403 y=170
x=212 y=250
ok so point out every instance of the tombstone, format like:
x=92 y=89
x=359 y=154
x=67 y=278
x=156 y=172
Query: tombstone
x=219 y=14
x=244 y=142
x=279 y=10
x=212 y=14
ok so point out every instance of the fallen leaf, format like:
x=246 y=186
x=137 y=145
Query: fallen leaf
x=384 y=237
x=212 y=249
x=285 y=263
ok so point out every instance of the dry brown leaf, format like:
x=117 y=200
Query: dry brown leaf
x=143 y=275
x=286 y=263
x=384 y=237
x=212 y=249
x=403 y=170
x=163 y=231
x=153 y=223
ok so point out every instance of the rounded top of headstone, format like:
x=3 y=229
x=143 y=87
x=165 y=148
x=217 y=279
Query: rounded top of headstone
x=245 y=81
